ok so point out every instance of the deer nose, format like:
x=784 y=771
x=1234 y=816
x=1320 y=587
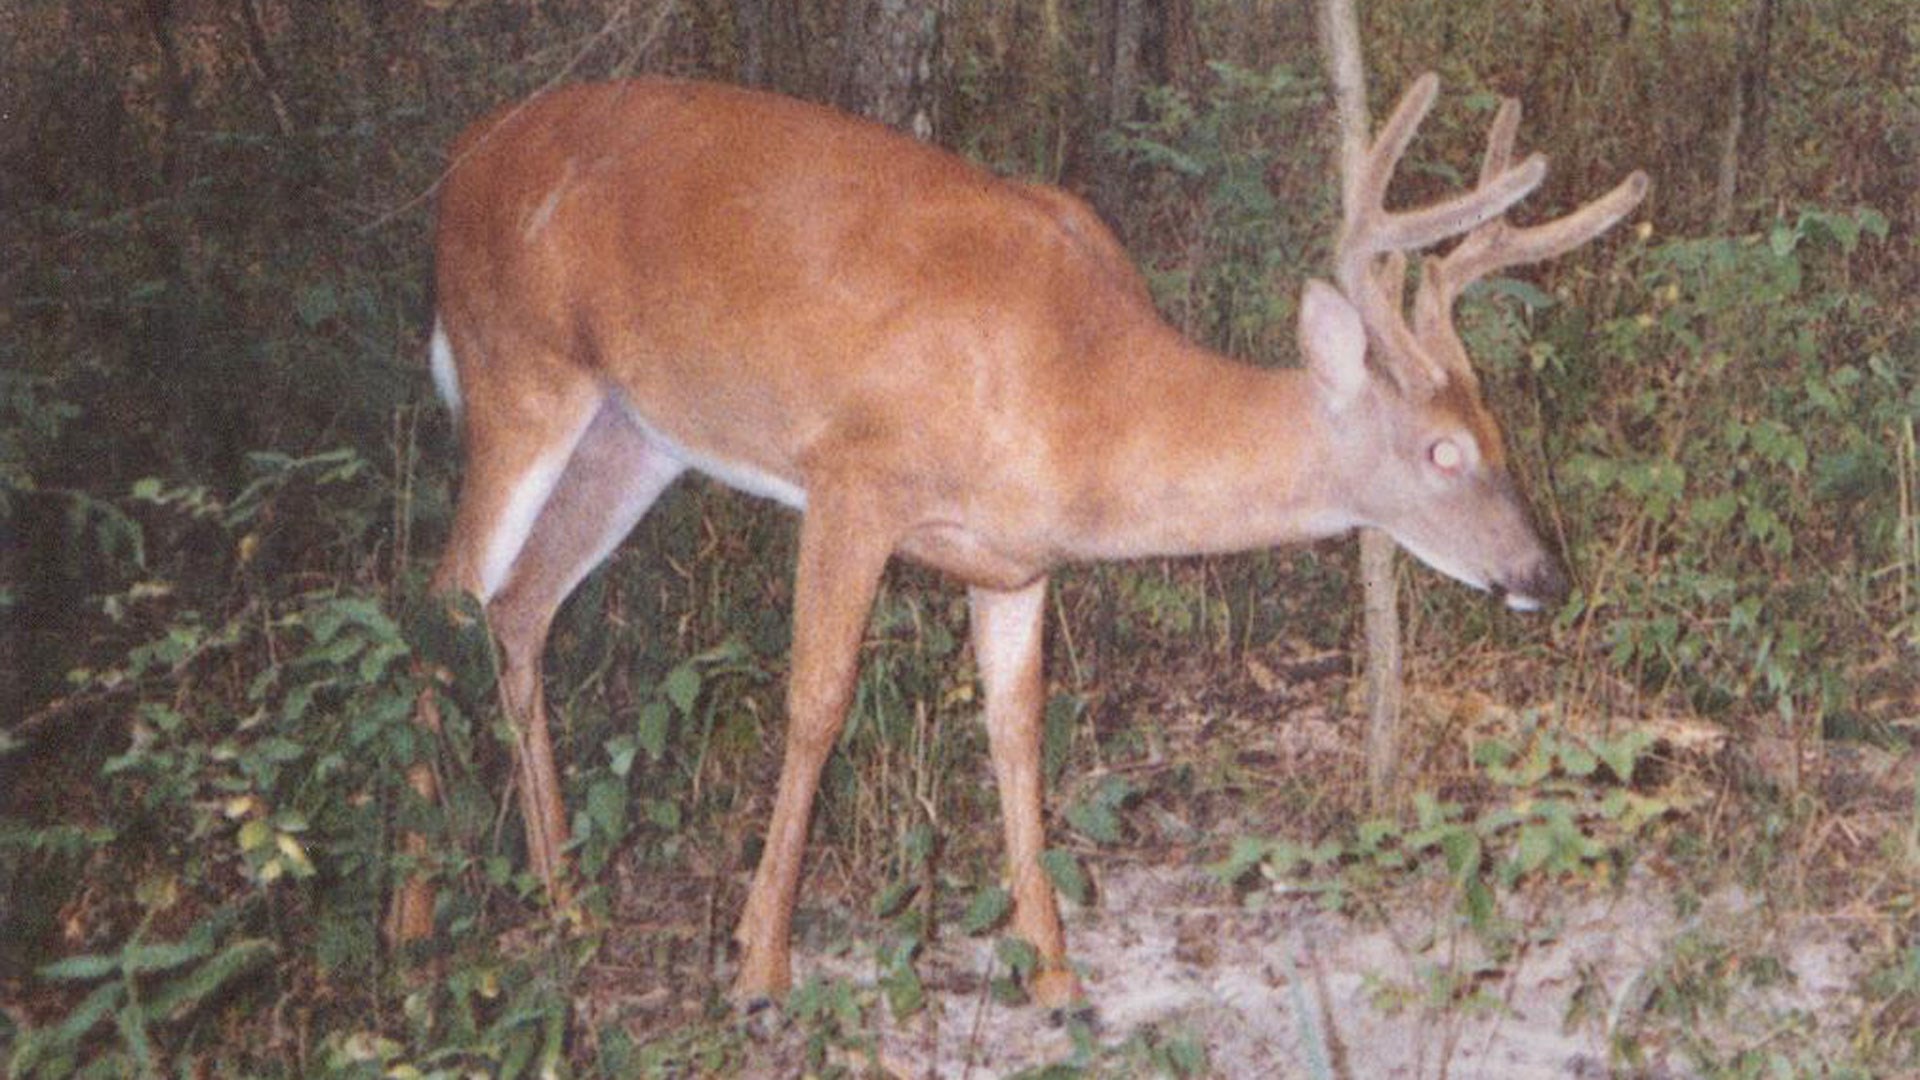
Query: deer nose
x=1544 y=584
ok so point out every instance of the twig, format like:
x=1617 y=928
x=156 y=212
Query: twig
x=593 y=41
x=30 y=727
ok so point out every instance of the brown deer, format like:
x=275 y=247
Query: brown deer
x=928 y=361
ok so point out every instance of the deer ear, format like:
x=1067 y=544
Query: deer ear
x=1333 y=342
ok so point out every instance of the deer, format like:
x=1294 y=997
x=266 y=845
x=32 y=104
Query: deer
x=929 y=362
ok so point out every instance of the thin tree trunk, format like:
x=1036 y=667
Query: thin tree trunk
x=1384 y=675
x=1347 y=75
x=1744 y=139
x=1141 y=43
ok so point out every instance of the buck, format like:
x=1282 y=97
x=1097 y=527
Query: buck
x=931 y=362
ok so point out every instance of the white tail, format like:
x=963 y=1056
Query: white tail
x=640 y=278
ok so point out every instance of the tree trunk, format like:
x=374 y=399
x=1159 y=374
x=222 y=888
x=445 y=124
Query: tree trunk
x=890 y=51
x=1346 y=73
x=1748 y=106
x=1142 y=43
x=1381 y=600
x=751 y=22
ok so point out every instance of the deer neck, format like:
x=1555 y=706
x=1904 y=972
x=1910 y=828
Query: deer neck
x=1212 y=455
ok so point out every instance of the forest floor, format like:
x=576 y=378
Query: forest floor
x=1650 y=973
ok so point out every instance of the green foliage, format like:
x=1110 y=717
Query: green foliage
x=1752 y=470
x=247 y=797
x=1217 y=158
x=677 y=711
x=1684 y=999
x=1566 y=810
x=139 y=987
x=1148 y=1050
x=212 y=465
x=831 y=1013
x=1096 y=813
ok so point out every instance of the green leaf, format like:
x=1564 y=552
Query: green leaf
x=1492 y=752
x=1622 y=754
x=906 y=995
x=1095 y=815
x=182 y=995
x=142 y=959
x=1020 y=956
x=1187 y=1055
x=1782 y=239
x=607 y=805
x=651 y=729
x=1243 y=854
x=621 y=750
x=254 y=834
x=80 y=968
x=1377 y=831
x=94 y=1008
x=985 y=911
x=1095 y=820
x=132 y=1022
x=1462 y=850
x=1478 y=900
x=1529 y=296
x=1064 y=871
x=1578 y=761
x=664 y=814
x=893 y=899
x=682 y=687
x=917 y=844
x=1533 y=850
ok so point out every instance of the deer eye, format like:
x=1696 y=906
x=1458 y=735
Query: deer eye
x=1446 y=455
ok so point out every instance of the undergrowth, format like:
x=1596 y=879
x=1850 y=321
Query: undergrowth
x=201 y=804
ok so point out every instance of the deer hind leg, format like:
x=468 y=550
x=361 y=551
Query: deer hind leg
x=843 y=551
x=613 y=477
x=1007 y=645
x=531 y=477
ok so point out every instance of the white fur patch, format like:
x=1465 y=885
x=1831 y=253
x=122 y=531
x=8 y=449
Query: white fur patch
x=516 y=520
x=446 y=377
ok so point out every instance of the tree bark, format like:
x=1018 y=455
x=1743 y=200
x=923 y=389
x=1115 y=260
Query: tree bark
x=1141 y=43
x=890 y=51
x=1384 y=676
x=1346 y=73
x=1745 y=137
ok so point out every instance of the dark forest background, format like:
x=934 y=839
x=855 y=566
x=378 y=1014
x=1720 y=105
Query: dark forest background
x=223 y=477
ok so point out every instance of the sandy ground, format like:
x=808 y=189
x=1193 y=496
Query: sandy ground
x=1283 y=990
x=1645 y=979
x=1610 y=983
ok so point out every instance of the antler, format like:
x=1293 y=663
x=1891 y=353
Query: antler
x=1497 y=245
x=1370 y=258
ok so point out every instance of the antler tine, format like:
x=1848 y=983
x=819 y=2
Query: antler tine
x=1498 y=245
x=1383 y=157
x=1506 y=125
x=1414 y=229
x=1391 y=274
x=1372 y=230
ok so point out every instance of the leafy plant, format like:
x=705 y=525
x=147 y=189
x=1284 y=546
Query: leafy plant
x=1768 y=418
x=1568 y=810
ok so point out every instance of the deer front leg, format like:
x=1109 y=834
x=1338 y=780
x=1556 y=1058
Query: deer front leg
x=843 y=551
x=1007 y=644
